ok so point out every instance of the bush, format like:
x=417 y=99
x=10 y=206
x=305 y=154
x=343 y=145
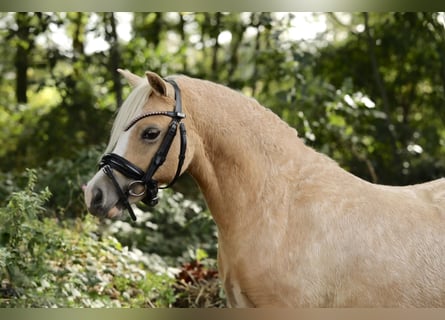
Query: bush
x=46 y=263
x=63 y=176
x=175 y=229
x=54 y=254
x=66 y=177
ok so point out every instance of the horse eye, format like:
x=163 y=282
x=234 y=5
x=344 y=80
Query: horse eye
x=150 y=134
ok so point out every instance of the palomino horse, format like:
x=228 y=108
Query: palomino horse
x=294 y=229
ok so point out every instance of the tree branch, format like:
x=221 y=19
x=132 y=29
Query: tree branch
x=380 y=84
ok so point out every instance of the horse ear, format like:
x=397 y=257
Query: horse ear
x=132 y=79
x=157 y=83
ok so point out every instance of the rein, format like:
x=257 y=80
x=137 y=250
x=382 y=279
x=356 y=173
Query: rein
x=143 y=183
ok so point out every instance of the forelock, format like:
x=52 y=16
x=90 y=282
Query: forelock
x=131 y=107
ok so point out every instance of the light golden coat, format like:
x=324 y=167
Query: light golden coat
x=294 y=229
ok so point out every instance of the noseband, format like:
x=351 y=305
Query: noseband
x=143 y=184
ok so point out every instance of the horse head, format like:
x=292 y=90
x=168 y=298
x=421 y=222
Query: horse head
x=147 y=147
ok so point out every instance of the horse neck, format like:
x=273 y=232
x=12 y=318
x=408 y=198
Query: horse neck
x=240 y=152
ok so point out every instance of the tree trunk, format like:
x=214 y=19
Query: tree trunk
x=181 y=30
x=381 y=87
x=78 y=43
x=237 y=38
x=115 y=56
x=215 y=33
x=21 y=60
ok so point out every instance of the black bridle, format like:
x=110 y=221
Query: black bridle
x=143 y=184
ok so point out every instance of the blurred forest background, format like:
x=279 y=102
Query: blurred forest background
x=367 y=89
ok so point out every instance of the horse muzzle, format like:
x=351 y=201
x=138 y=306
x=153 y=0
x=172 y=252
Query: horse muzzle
x=95 y=201
x=106 y=197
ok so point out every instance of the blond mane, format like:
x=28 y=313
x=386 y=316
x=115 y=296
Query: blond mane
x=128 y=111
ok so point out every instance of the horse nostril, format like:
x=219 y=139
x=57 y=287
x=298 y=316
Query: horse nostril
x=98 y=196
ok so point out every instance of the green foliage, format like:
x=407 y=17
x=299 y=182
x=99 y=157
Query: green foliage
x=394 y=59
x=21 y=238
x=44 y=263
x=177 y=229
x=368 y=91
x=65 y=176
x=83 y=262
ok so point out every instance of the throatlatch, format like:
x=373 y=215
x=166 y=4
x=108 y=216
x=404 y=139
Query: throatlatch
x=143 y=183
